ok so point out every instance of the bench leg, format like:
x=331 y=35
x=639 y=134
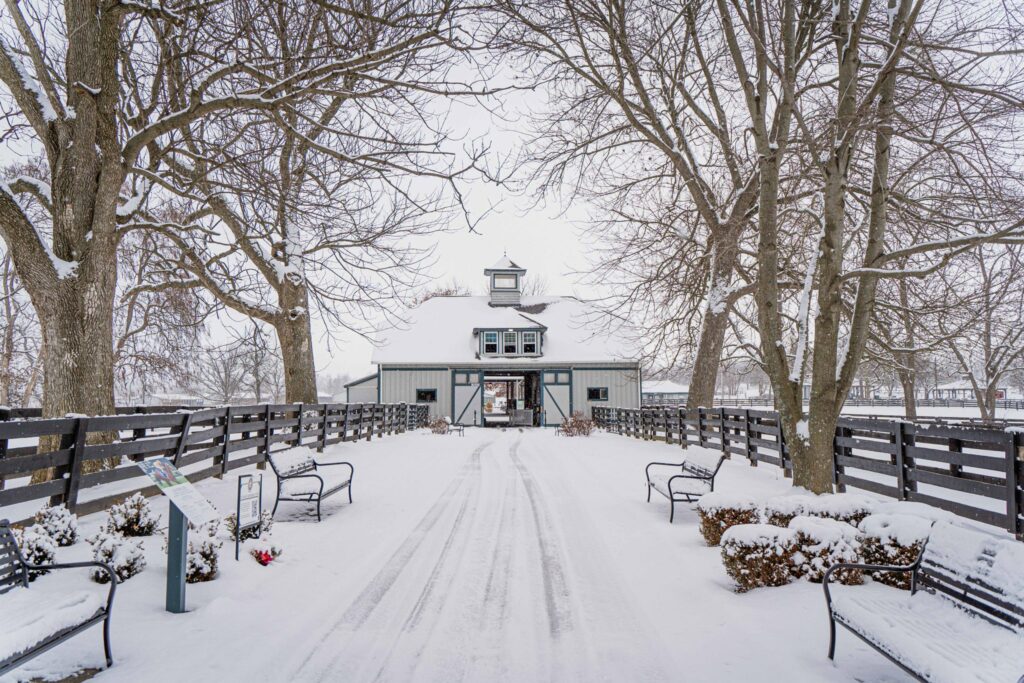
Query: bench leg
x=831 y=636
x=648 y=492
x=318 y=509
x=672 y=512
x=350 y=493
x=106 y=641
x=276 y=502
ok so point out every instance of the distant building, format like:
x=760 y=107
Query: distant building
x=961 y=389
x=664 y=392
x=504 y=358
x=362 y=390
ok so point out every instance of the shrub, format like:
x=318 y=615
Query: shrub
x=60 y=524
x=720 y=511
x=757 y=555
x=893 y=539
x=577 y=425
x=36 y=547
x=845 y=507
x=125 y=557
x=823 y=542
x=438 y=426
x=780 y=510
x=132 y=517
x=266 y=523
x=201 y=564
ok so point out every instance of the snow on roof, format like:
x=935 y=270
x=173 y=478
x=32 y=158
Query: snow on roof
x=440 y=330
x=504 y=263
x=361 y=380
x=662 y=386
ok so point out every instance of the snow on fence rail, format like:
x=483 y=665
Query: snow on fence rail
x=971 y=471
x=1009 y=404
x=204 y=442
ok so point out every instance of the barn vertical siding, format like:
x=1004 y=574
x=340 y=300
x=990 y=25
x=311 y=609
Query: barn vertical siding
x=400 y=385
x=622 y=388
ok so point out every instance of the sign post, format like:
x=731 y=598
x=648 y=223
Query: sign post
x=186 y=504
x=177 y=555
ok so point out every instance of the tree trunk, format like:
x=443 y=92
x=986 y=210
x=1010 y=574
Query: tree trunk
x=908 y=380
x=715 y=323
x=296 y=340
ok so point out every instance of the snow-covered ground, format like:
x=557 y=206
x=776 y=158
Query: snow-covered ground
x=504 y=555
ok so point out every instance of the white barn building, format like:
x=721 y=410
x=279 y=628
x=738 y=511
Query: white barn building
x=504 y=358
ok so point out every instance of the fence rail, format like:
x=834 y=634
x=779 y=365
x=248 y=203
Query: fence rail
x=1015 y=404
x=971 y=471
x=218 y=439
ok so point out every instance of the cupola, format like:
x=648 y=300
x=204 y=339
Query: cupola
x=505 y=282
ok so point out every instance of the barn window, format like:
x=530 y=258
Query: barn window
x=597 y=393
x=506 y=281
x=490 y=342
x=509 y=344
x=529 y=342
x=426 y=395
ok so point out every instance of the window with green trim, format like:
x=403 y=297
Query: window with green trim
x=597 y=393
x=426 y=395
x=530 y=342
x=490 y=342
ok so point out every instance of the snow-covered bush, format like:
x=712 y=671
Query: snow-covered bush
x=718 y=511
x=132 y=517
x=780 y=510
x=438 y=426
x=201 y=564
x=893 y=539
x=757 y=555
x=124 y=556
x=266 y=523
x=265 y=553
x=823 y=542
x=60 y=523
x=577 y=424
x=845 y=507
x=36 y=547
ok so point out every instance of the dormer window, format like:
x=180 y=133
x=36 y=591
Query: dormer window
x=506 y=281
x=490 y=342
x=529 y=342
x=509 y=347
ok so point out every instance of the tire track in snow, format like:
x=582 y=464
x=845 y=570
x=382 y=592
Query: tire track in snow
x=375 y=591
x=496 y=589
x=557 y=600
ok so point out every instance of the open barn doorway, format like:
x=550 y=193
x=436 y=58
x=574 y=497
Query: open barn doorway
x=511 y=399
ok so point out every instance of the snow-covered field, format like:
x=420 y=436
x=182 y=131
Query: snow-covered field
x=515 y=556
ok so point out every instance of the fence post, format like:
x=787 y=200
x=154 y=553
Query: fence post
x=267 y=415
x=225 y=448
x=186 y=423
x=746 y=435
x=75 y=469
x=344 y=423
x=5 y=415
x=298 y=427
x=373 y=416
x=1014 y=470
x=323 y=429
x=899 y=459
x=839 y=451
x=723 y=432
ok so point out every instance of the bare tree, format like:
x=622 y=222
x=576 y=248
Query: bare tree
x=20 y=367
x=219 y=375
x=986 y=330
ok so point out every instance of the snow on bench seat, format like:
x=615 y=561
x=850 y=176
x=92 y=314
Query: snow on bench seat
x=926 y=634
x=684 y=481
x=33 y=615
x=689 y=487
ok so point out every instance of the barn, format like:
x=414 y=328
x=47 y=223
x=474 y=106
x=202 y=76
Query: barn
x=505 y=358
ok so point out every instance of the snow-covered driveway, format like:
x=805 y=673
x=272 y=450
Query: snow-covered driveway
x=500 y=556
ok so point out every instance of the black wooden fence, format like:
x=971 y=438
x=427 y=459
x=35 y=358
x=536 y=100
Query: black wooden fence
x=220 y=439
x=971 y=471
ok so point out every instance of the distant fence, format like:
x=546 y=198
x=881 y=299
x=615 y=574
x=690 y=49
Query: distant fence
x=189 y=437
x=1012 y=404
x=973 y=472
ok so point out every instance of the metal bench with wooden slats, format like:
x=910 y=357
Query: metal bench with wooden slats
x=686 y=481
x=307 y=481
x=39 y=618
x=963 y=619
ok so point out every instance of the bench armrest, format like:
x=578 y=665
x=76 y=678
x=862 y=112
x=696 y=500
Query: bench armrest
x=82 y=565
x=863 y=567
x=351 y=467
x=647 y=470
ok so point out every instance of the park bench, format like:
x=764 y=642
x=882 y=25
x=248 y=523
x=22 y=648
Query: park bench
x=454 y=427
x=41 y=617
x=302 y=479
x=686 y=481
x=963 y=618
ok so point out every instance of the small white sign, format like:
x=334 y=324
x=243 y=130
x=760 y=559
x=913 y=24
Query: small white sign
x=248 y=503
x=173 y=484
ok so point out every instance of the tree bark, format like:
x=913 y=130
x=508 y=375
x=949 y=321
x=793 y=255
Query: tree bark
x=294 y=335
